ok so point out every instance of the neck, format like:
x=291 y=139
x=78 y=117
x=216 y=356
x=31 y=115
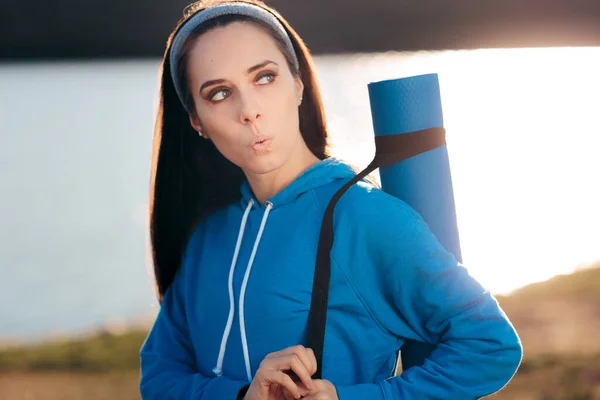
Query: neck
x=265 y=186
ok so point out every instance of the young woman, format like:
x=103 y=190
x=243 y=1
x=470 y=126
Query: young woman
x=241 y=180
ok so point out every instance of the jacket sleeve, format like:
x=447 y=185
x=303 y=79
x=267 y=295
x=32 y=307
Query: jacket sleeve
x=168 y=364
x=418 y=290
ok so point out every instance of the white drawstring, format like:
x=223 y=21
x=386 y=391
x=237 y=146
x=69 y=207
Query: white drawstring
x=218 y=370
x=243 y=291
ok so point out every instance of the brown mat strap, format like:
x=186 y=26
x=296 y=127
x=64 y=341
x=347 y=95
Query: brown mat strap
x=392 y=149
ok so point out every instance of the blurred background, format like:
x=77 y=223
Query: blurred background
x=78 y=91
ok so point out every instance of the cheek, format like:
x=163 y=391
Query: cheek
x=218 y=123
x=223 y=132
x=230 y=149
x=285 y=106
x=290 y=97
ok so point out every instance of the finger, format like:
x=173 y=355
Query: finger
x=307 y=356
x=297 y=349
x=283 y=380
x=289 y=395
x=301 y=386
x=299 y=381
x=292 y=364
x=300 y=369
x=317 y=396
x=313 y=359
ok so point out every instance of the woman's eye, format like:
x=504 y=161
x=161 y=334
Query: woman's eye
x=222 y=94
x=266 y=78
x=218 y=95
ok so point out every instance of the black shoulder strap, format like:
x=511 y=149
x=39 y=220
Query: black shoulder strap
x=390 y=149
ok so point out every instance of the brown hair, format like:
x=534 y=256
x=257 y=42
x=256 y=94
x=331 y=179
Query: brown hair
x=190 y=178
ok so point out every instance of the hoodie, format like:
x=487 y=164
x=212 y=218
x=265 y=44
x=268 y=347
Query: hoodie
x=244 y=291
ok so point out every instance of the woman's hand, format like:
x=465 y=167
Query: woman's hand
x=322 y=390
x=284 y=373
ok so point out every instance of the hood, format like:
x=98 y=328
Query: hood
x=317 y=175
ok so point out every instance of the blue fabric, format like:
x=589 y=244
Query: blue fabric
x=391 y=280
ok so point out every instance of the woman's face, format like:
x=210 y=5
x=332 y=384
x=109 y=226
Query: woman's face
x=246 y=97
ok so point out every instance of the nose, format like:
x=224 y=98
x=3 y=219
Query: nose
x=249 y=109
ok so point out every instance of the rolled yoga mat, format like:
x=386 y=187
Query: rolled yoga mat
x=409 y=110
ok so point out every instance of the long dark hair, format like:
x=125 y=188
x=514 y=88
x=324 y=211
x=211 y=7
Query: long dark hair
x=190 y=178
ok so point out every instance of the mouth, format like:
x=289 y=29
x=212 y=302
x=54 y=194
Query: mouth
x=260 y=143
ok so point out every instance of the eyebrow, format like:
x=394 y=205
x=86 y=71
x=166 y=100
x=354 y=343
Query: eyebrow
x=248 y=72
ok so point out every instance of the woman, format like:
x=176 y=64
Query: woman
x=241 y=180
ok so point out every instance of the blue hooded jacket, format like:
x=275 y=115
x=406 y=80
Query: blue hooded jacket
x=244 y=291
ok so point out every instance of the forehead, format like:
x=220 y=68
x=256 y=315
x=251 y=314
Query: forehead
x=231 y=49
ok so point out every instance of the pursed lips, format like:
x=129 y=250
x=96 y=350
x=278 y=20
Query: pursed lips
x=258 y=140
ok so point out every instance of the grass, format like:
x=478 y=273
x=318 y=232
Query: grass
x=555 y=377
x=64 y=385
x=102 y=352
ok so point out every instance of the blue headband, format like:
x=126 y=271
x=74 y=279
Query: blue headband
x=229 y=8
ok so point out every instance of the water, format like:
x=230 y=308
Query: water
x=74 y=150
x=75 y=143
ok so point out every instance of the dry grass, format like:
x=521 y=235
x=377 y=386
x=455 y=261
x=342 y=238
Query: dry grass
x=555 y=378
x=69 y=386
x=101 y=352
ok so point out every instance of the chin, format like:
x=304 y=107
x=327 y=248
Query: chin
x=265 y=163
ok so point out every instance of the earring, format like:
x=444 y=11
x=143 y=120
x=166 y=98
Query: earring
x=202 y=134
x=301 y=99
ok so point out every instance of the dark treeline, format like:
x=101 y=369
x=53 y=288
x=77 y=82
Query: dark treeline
x=139 y=28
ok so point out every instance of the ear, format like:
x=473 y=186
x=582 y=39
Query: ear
x=197 y=125
x=299 y=89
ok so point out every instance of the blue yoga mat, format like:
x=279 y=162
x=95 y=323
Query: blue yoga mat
x=424 y=181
